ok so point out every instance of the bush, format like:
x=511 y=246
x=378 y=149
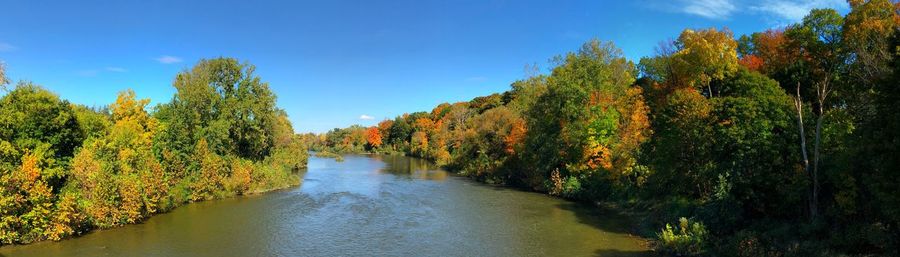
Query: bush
x=687 y=239
x=326 y=154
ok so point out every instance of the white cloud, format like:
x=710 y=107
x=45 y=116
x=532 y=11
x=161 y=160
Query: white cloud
x=6 y=47
x=167 y=59
x=366 y=117
x=795 y=10
x=776 y=11
x=712 y=9
x=116 y=69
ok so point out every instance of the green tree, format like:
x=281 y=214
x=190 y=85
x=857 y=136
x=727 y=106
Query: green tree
x=31 y=116
x=225 y=103
x=819 y=39
x=486 y=147
x=574 y=127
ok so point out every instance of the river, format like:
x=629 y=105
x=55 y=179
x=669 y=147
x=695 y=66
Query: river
x=366 y=206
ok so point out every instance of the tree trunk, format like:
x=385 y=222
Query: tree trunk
x=822 y=94
x=798 y=103
x=815 y=192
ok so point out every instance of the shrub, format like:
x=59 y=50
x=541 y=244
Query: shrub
x=687 y=239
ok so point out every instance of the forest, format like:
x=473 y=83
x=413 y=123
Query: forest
x=779 y=143
x=66 y=169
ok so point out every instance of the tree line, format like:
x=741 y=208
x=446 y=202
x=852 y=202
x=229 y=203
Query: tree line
x=66 y=168
x=778 y=143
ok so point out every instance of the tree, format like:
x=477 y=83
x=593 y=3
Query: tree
x=117 y=174
x=67 y=168
x=819 y=38
x=661 y=68
x=681 y=148
x=401 y=131
x=704 y=56
x=25 y=200
x=755 y=147
x=868 y=29
x=751 y=62
x=224 y=102
x=418 y=143
x=373 y=137
x=490 y=140
x=874 y=165
x=31 y=116
x=484 y=103
x=575 y=126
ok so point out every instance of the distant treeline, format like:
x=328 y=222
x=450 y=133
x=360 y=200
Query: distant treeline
x=66 y=168
x=778 y=143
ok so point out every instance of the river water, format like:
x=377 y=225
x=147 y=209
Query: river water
x=366 y=206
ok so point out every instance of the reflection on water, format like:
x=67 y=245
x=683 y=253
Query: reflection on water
x=414 y=168
x=365 y=206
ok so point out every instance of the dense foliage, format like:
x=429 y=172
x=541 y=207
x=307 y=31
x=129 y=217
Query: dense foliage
x=66 y=168
x=779 y=143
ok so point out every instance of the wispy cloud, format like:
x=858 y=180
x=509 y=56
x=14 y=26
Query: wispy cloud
x=711 y=9
x=6 y=47
x=794 y=10
x=776 y=11
x=167 y=59
x=95 y=72
x=116 y=69
x=366 y=117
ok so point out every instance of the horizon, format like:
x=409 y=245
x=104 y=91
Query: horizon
x=405 y=56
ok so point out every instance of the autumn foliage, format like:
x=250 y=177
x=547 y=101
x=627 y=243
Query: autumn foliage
x=67 y=169
x=373 y=137
x=708 y=130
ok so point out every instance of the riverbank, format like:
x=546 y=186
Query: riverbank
x=101 y=167
x=265 y=183
x=368 y=205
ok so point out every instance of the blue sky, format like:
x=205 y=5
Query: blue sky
x=337 y=63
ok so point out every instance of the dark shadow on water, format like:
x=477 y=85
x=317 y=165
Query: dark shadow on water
x=618 y=253
x=600 y=217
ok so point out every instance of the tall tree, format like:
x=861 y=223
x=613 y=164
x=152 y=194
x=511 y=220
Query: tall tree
x=575 y=126
x=704 y=56
x=819 y=40
x=224 y=102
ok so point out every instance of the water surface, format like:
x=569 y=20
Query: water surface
x=366 y=206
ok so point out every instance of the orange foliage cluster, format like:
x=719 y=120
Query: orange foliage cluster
x=515 y=137
x=373 y=137
x=770 y=49
x=751 y=62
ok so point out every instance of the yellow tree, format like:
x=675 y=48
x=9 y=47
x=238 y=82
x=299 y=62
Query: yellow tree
x=27 y=201
x=867 y=30
x=117 y=174
x=419 y=143
x=704 y=56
